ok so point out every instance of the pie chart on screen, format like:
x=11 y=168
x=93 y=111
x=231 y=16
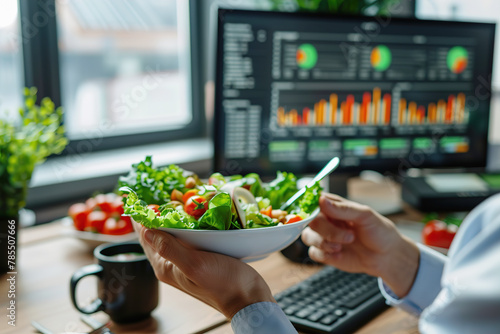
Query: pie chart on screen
x=381 y=58
x=457 y=59
x=307 y=56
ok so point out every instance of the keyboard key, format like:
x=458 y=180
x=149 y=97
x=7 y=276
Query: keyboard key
x=316 y=316
x=356 y=301
x=319 y=303
x=286 y=301
x=304 y=312
x=329 y=319
x=324 y=299
x=339 y=312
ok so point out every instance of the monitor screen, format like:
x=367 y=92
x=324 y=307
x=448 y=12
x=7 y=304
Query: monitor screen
x=295 y=89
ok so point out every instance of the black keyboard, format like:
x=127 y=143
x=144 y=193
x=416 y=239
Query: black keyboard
x=332 y=301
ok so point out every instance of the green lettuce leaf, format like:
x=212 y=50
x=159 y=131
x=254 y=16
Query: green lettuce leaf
x=281 y=189
x=169 y=217
x=219 y=214
x=310 y=200
x=154 y=185
x=253 y=180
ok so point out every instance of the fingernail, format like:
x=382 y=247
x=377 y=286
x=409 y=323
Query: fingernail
x=318 y=255
x=349 y=238
x=150 y=237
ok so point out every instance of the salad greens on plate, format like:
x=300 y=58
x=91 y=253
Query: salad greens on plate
x=172 y=197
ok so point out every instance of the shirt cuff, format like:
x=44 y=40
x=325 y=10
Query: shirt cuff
x=426 y=286
x=261 y=318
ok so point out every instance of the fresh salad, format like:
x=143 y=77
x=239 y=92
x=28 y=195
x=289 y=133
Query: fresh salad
x=172 y=197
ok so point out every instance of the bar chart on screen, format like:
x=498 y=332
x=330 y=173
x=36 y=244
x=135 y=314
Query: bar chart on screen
x=444 y=111
x=301 y=108
x=333 y=108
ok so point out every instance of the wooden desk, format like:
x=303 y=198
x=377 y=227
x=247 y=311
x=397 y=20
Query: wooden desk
x=47 y=259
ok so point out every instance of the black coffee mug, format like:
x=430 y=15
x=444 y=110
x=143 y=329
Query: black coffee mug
x=127 y=286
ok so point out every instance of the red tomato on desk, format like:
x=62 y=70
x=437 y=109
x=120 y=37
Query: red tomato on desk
x=79 y=213
x=115 y=226
x=437 y=233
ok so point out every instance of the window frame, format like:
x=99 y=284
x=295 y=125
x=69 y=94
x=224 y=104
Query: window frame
x=41 y=69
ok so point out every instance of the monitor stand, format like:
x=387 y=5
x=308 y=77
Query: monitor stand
x=372 y=189
x=337 y=184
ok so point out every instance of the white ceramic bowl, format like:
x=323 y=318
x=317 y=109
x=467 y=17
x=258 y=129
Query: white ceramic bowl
x=245 y=244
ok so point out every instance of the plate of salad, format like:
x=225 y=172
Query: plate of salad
x=238 y=215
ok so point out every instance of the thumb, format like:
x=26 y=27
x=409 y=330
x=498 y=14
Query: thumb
x=338 y=208
x=169 y=248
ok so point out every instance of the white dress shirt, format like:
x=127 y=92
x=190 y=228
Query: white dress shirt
x=452 y=295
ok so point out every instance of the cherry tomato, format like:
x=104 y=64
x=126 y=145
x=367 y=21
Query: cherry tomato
x=196 y=206
x=117 y=206
x=436 y=233
x=91 y=203
x=292 y=219
x=188 y=194
x=105 y=202
x=155 y=208
x=127 y=219
x=117 y=227
x=95 y=221
x=79 y=213
x=267 y=211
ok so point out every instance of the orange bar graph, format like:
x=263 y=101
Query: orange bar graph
x=348 y=116
x=376 y=105
x=333 y=108
x=460 y=108
x=293 y=117
x=412 y=109
x=402 y=111
x=387 y=109
x=357 y=109
x=449 y=109
x=281 y=116
x=316 y=113
x=322 y=109
x=441 y=111
x=432 y=113
x=364 y=107
x=421 y=114
x=305 y=115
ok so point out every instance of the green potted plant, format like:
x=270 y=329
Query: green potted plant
x=25 y=143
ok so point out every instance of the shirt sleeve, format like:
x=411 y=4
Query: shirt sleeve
x=468 y=298
x=262 y=318
x=426 y=285
x=469 y=301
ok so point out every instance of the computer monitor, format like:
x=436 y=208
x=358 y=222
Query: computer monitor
x=295 y=89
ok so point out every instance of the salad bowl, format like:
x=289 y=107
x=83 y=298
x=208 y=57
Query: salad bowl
x=246 y=244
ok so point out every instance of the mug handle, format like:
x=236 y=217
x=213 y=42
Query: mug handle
x=92 y=269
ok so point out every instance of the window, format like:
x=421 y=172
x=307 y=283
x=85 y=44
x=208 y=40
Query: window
x=465 y=10
x=124 y=66
x=10 y=60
